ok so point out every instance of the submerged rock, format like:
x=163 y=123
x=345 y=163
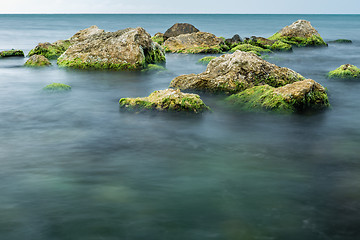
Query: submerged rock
x=341 y=41
x=199 y=42
x=274 y=45
x=12 y=53
x=57 y=87
x=178 y=29
x=128 y=49
x=250 y=48
x=232 y=42
x=50 y=50
x=165 y=100
x=158 y=38
x=345 y=71
x=299 y=33
x=206 y=60
x=295 y=97
x=232 y=73
x=154 y=68
x=37 y=61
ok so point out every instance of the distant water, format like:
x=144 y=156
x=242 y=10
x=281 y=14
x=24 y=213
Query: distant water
x=73 y=167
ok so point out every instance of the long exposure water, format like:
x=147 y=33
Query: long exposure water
x=74 y=167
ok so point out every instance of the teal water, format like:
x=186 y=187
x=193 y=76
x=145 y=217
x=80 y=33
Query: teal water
x=74 y=167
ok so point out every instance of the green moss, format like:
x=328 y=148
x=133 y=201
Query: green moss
x=37 y=62
x=314 y=40
x=212 y=49
x=250 y=48
x=50 y=51
x=12 y=53
x=345 y=71
x=158 y=39
x=154 y=56
x=341 y=41
x=80 y=64
x=281 y=46
x=154 y=68
x=57 y=87
x=206 y=60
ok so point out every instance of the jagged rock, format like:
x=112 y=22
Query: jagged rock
x=165 y=100
x=294 y=97
x=345 y=71
x=199 y=42
x=50 y=50
x=37 y=61
x=232 y=73
x=178 y=29
x=85 y=33
x=158 y=38
x=57 y=87
x=128 y=49
x=12 y=53
x=300 y=34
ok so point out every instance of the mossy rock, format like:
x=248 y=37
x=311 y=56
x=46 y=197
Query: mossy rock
x=37 y=61
x=296 y=97
x=345 y=71
x=281 y=46
x=57 y=87
x=165 y=100
x=12 y=53
x=250 y=48
x=158 y=38
x=206 y=60
x=341 y=41
x=50 y=50
x=315 y=41
x=154 y=68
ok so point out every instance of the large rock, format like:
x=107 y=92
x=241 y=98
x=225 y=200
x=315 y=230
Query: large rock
x=85 y=33
x=345 y=71
x=232 y=73
x=199 y=42
x=178 y=29
x=295 y=97
x=37 y=61
x=12 y=53
x=50 y=50
x=300 y=33
x=128 y=49
x=165 y=100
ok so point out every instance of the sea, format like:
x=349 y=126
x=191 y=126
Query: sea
x=75 y=167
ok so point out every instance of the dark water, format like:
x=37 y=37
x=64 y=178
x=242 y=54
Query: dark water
x=73 y=167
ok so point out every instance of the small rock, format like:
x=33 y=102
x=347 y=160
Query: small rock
x=37 y=61
x=178 y=29
x=12 y=53
x=57 y=87
x=345 y=71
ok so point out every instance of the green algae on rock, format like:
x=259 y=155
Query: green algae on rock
x=250 y=48
x=50 y=50
x=198 y=42
x=274 y=45
x=158 y=38
x=232 y=73
x=206 y=60
x=12 y=53
x=57 y=87
x=296 y=97
x=299 y=33
x=128 y=49
x=165 y=100
x=37 y=61
x=154 y=68
x=345 y=71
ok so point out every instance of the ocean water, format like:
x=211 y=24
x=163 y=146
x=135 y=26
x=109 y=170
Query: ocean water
x=74 y=167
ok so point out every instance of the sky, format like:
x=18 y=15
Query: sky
x=182 y=6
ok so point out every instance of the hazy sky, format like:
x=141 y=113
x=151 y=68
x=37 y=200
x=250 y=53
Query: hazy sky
x=179 y=6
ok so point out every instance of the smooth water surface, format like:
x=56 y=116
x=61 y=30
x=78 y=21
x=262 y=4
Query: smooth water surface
x=74 y=167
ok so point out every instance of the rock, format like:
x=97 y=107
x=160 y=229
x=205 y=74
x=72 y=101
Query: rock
x=165 y=100
x=250 y=48
x=300 y=34
x=37 y=61
x=206 y=60
x=128 y=49
x=158 y=38
x=12 y=53
x=232 y=73
x=50 y=50
x=85 y=34
x=232 y=42
x=178 y=29
x=57 y=87
x=295 y=97
x=274 y=45
x=341 y=41
x=199 y=42
x=154 y=68
x=345 y=71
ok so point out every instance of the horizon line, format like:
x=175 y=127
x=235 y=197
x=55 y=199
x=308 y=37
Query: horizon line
x=24 y=13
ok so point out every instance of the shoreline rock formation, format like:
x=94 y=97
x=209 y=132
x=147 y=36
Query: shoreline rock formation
x=165 y=100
